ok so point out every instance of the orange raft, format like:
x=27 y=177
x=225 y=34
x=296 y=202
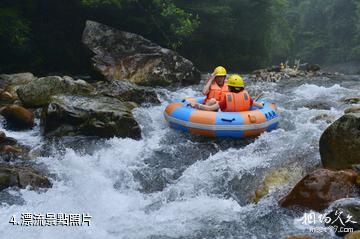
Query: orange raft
x=221 y=124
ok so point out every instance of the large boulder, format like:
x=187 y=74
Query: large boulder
x=9 y=83
x=38 y=92
x=320 y=188
x=22 y=176
x=340 y=143
x=16 y=79
x=122 y=55
x=126 y=91
x=17 y=116
x=93 y=116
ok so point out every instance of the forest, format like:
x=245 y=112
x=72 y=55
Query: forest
x=44 y=36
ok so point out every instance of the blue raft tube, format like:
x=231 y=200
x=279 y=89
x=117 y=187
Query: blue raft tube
x=181 y=116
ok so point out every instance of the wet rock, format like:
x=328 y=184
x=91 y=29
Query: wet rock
x=272 y=179
x=38 y=92
x=323 y=117
x=4 y=140
x=6 y=98
x=352 y=110
x=126 y=56
x=241 y=188
x=7 y=140
x=320 y=188
x=318 y=105
x=353 y=235
x=92 y=116
x=313 y=67
x=10 y=149
x=152 y=180
x=299 y=237
x=351 y=100
x=16 y=79
x=10 y=83
x=340 y=143
x=126 y=91
x=17 y=116
x=22 y=176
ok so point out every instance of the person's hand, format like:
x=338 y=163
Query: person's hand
x=211 y=77
x=194 y=105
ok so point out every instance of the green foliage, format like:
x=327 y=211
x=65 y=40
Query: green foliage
x=44 y=36
x=13 y=28
x=173 y=23
x=323 y=31
x=97 y=3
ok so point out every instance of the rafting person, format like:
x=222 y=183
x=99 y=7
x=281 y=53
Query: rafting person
x=236 y=100
x=215 y=86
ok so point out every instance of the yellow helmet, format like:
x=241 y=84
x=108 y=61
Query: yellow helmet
x=220 y=71
x=235 y=81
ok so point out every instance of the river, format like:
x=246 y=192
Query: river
x=174 y=185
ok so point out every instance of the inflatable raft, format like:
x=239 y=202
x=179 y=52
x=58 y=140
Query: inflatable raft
x=182 y=116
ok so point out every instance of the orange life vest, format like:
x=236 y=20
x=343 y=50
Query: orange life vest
x=216 y=91
x=236 y=102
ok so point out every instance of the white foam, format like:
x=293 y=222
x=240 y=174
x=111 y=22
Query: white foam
x=102 y=183
x=310 y=91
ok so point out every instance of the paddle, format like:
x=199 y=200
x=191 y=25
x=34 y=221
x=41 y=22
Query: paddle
x=259 y=96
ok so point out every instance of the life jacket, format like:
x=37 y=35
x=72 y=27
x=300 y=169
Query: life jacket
x=216 y=91
x=236 y=102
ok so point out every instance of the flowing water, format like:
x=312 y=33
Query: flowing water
x=175 y=185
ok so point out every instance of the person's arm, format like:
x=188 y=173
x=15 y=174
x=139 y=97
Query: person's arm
x=208 y=84
x=259 y=105
x=253 y=102
x=213 y=107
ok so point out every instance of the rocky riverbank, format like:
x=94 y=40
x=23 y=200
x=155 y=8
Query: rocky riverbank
x=128 y=66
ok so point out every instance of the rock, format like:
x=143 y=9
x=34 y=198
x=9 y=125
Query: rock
x=122 y=55
x=312 y=67
x=10 y=83
x=340 y=143
x=16 y=79
x=353 y=235
x=299 y=237
x=319 y=189
x=241 y=187
x=323 y=117
x=37 y=93
x=17 y=116
x=22 y=176
x=352 y=110
x=126 y=91
x=93 y=116
x=344 y=215
x=8 y=141
x=272 y=179
x=318 y=105
x=351 y=100
x=10 y=149
x=6 y=98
